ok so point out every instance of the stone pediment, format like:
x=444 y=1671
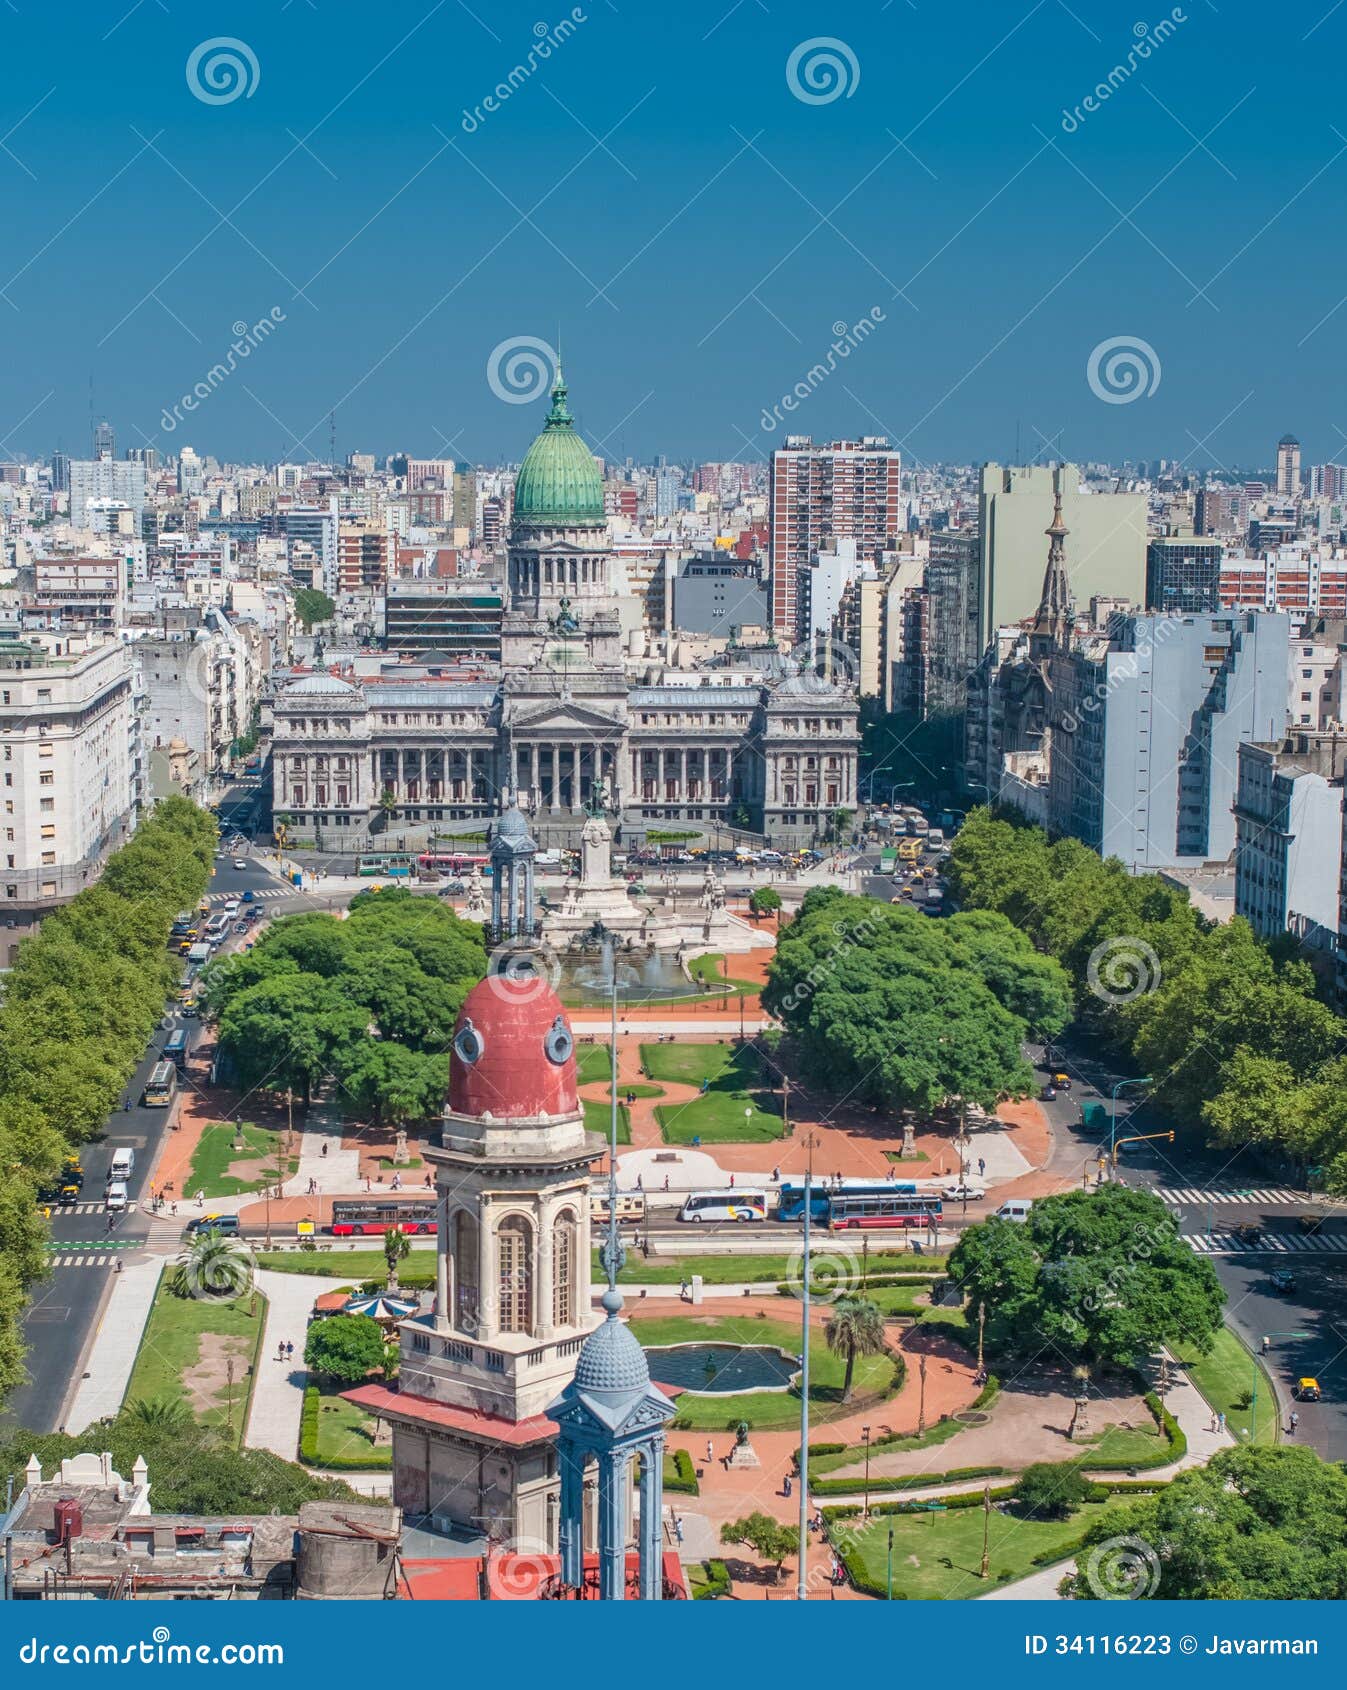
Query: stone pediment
x=553 y=718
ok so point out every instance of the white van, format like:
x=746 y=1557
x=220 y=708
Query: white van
x=1017 y=1209
x=123 y=1165
x=116 y=1197
x=547 y=859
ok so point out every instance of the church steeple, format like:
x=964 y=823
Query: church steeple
x=1052 y=624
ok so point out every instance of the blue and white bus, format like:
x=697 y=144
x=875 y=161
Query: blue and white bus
x=822 y=1192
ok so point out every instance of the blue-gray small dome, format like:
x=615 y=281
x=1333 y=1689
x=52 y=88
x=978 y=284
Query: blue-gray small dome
x=511 y=832
x=612 y=1360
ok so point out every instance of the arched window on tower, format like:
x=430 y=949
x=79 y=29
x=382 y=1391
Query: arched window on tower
x=564 y=1268
x=514 y=1239
x=467 y=1276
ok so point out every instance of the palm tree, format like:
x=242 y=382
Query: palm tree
x=396 y=1246
x=387 y=806
x=162 y=1414
x=213 y=1268
x=854 y=1328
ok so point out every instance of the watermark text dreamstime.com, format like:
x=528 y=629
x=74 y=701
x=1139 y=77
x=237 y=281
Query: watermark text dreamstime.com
x=846 y=338
x=547 y=39
x=153 y=1651
x=246 y=341
x=1148 y=38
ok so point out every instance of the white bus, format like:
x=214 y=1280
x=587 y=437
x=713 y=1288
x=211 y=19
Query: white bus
x=724 y=1206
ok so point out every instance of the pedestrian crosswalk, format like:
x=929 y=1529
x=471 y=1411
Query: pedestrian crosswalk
x=1181 y=1194
x=83 y=1259
x=1270 y=1243
x=257 y=891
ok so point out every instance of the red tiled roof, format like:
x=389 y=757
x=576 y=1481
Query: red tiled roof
x=424 y=1411
x=510 y=1578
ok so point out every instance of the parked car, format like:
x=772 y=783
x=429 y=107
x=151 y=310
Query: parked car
x=960 y=1189
x=212 y=1223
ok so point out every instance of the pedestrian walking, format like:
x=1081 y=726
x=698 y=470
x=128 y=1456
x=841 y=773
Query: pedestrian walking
x=683 y=1290
x=710 y=1450
x=785 y=1487
x=731 y=1182
x=666 y=1182
x=1264 y=1347
x=640 y=1184
x=1212 y=1426
x=280 y=1350
x=174 y=1207
x=1295 y=1421
x=1220 y=1422
x=200 y=1199
x=982 y=1166
x=323 y=1151
x=678 y=1527
x=776 y=1176
x=289 y=1350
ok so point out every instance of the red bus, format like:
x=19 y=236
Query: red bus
x=453 y=862
x=376 y=1214
x=848 y=1210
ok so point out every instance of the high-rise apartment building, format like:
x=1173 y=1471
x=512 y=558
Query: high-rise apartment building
x=364 y=556
x=1329 y=481
x=315 y=527
x=1305 y=581
x=848 y=489
x=105 y=440
x=1183 y=576
x=1288 y=467
x=1106 y=557
x=1288 y=833
x=952 y=575
x=105 y=478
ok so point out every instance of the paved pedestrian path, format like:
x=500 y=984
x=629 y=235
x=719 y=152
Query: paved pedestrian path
x=338 y=1169
x=278 y=1392
x=116 y=1343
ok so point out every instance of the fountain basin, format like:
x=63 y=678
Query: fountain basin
x=723 y=1369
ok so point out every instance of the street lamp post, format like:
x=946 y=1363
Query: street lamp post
x=865 y=1438
x=921 y=1400
x=888 y=1581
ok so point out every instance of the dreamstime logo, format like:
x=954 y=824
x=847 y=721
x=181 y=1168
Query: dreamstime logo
x=833 y=1274
x=821 y=70
x=1123 y=369
x=1146 y=39
x=223 y=70
x=522 y=972
x=521 y=369
x=846 y=338
x=515 y=1568
x=546 y=39
x=1122 y=969
x=1123 y=1569
x=246 y=340
x=216 y=1269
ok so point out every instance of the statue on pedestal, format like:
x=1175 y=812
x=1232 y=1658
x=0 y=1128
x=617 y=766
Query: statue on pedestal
x=475 y=908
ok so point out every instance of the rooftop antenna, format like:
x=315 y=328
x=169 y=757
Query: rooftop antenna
x=332 y=436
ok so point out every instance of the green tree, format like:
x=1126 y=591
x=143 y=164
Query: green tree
x=764 y=1536
x=764 y=900
x=854 y=1328
x=1102 y=1277
x=313 y=606
x=1050 y=1490
x=1255 y=1524
x=291 y=1030
x=345 y=1348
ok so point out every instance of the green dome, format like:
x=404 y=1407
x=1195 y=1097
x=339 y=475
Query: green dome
x=559 y=485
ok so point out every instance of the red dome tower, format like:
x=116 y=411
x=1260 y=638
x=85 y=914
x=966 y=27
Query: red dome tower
x=513 y=1054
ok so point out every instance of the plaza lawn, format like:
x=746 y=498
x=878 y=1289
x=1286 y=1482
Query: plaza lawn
x=743 y=1269
x=346 y=1436
x=873 y=1381
x=710 y=971
x=1225 y=1378
x=215 y=1157
x=599 y=1118
x=938 y=1555
x=184 y=1353
x=731 y=1074
x=592 y=1063
x=350 y=1266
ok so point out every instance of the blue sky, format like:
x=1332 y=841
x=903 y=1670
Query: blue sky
x=654 y=193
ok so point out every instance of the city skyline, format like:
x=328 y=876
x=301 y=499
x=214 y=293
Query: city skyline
x=730 y=231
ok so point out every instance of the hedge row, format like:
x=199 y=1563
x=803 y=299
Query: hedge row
x=717 y=1582
x=376 y=1461
x=685 y=1474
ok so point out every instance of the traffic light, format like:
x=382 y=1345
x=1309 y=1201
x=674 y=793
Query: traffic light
x=1171 y=1138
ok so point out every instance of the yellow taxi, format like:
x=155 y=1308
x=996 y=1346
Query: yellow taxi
x=1307 y=1390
